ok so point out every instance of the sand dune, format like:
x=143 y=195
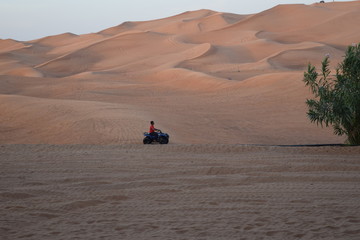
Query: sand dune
x=98 y=119
x=196 y=71
x=10 y=45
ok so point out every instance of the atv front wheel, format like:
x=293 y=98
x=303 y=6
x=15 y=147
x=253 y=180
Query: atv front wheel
x=163 y=140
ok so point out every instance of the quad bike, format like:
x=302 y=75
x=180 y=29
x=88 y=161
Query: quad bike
x=159 y=136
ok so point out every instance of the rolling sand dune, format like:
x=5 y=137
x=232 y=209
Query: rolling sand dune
x=170 y=68
x=227 y=88
x=10 y=45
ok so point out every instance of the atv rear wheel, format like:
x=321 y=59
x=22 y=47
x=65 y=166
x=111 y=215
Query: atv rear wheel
x=147 y=140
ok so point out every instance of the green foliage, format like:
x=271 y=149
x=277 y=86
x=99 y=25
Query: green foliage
x=337 y=98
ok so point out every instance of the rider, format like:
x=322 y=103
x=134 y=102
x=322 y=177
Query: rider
x=153 y=130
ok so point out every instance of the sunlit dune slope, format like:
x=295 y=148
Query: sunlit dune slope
x=202 y=76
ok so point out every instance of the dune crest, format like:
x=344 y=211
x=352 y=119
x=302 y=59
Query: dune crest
x=10 y=45
x=238 y=74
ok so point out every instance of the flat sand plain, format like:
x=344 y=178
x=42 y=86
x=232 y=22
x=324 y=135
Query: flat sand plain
x=179 y=192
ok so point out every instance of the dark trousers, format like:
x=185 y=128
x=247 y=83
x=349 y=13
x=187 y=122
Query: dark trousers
x=154 y=134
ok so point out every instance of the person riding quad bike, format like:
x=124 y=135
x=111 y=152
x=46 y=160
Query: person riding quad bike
x=155 y=135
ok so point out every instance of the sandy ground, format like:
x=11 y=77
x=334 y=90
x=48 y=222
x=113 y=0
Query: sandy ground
x=226 y=87
x=179 y=192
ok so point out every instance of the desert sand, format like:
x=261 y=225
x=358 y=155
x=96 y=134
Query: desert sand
x=202 y=76
x=179 y=191
x=241 y=163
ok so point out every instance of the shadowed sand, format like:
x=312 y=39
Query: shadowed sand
x=227 y=88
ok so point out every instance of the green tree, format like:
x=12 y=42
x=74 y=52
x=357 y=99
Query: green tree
x=337 y=98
